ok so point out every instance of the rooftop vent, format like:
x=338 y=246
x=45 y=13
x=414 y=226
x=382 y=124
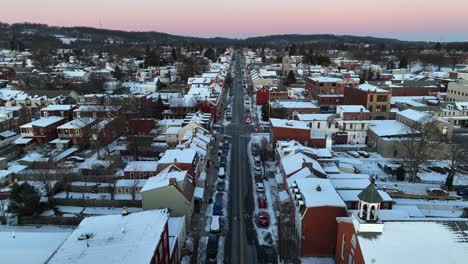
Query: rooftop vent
x=85 y=236
x=318 y=188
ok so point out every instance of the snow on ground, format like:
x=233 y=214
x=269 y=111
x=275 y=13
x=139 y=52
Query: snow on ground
x=77 y=195
x=202 y=249
x=317 y=260
x=406 y=187
x=435 y=208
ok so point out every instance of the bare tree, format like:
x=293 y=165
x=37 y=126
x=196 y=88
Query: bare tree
x=458 y=155
x=134 y=187
x=264 y=150
x=455 y=57
x=419 y=143
x=3 y=210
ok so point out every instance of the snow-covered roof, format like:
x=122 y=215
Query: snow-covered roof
x=178 y=155
x=314 y=117
x=275 y=122
x=163 y=179
x=326 y=195
x=58 y=107
x=416 y=116
x=350 y=184
x=388 y=128
x=326 y=79
x=294 y=162
x=371 y=88
x=417 y=242
x=293 y=104
x=78 y=123
x=30 y=244
x=351 y=109
x=148 y=166
x=114 y=239
x=352 y=195
x=44 y=122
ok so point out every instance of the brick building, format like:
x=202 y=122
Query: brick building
x=42 y=130
x=373 y=98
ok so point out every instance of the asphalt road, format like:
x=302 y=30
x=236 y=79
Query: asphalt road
x=241 y=242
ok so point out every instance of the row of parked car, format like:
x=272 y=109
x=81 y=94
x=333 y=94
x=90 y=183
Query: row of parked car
x=217 y=220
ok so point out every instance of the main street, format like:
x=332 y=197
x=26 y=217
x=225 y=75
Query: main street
x=241 y=243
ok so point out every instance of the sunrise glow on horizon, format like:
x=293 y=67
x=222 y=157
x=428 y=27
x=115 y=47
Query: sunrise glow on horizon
x=407 y=20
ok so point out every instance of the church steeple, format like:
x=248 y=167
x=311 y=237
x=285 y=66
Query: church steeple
x=369 y=203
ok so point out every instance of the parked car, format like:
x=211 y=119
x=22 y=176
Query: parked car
x=212 y=249
x=260 y=187
x=436 y=192
x=353 y=154
x=220 y=186
x=363 y=153
x=221 y=173
x=215 y=225
x=219 y=196
x=269 y=255
x=262 y=202
x=463 y=192
x=218 y=208
x=263 y=219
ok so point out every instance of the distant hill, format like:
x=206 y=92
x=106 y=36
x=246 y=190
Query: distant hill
x=99 y=35
x=317 y=38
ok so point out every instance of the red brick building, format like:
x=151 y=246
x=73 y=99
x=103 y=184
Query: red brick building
x=328 y=85
x=140 y=169
x=42 y=130
x=373 y=98
x=263 y=95
x=140 y=126
x=317 y=205
x=77 y=130
x=65 y=111
x=330 y=99
x=184 y=159
x=283 y=129
x=7 y=74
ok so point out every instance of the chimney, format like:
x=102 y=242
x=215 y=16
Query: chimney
x=307 y=165
x=173 y=181
x=318 y=188
x=175 y=160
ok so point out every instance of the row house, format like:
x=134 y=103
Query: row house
x=11 y=118
x=65 y=111
x=78 y=130
x=97 y=111
x=42 y=130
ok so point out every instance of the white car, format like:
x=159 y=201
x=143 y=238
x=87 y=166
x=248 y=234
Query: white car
x=215 y=226
x=260 y=187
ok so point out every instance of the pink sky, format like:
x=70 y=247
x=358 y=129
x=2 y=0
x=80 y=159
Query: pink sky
x=404 y=19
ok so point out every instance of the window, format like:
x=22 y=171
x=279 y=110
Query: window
x=371 y=97
x=343 y=245
x=362 y=126
x=350 y=126
x=381 y=98
x=318 y=124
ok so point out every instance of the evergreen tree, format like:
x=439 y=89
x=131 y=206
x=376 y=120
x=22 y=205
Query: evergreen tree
x=159 y=108
x=24 y=200
x=403 y=63
x=291 y=78
x=210 y=54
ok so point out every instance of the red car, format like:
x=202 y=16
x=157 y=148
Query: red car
x=263 y=219
x=262 y=202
